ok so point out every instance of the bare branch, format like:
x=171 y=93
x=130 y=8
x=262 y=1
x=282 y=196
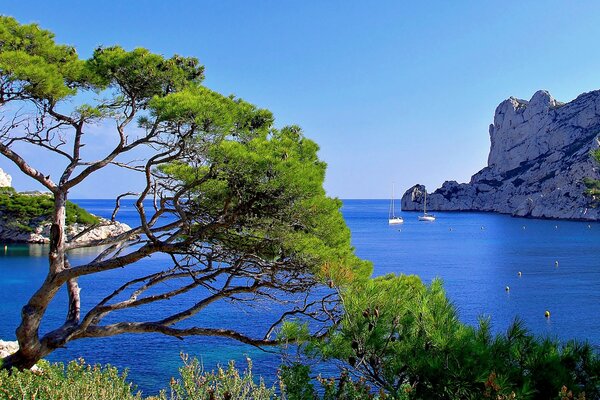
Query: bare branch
x=28 y=169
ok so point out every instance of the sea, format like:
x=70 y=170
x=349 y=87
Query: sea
x=493 y=266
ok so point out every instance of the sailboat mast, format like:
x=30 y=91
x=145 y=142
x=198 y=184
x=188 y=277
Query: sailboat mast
x=393 y=209
x=425 y=204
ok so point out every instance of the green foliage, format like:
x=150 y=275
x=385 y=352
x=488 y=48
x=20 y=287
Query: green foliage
x=33 y=65
x=593 y=186
x=224 y=384
x=270 y=180
x=345 y=388
x=23 y=211
x=141 y=75
x=297 y=383
x=77 y=381
x=405 y=338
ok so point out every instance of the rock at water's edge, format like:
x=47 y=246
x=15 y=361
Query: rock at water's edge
x=41 y=233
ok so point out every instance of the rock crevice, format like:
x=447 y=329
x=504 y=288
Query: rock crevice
x=539 y=157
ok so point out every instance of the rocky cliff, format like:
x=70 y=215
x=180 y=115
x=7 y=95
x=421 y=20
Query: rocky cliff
x=539 y=157
x=5 y=179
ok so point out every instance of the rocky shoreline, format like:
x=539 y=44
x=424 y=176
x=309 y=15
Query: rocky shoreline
x=538 y=161
x=41 y=233
x=38 y=231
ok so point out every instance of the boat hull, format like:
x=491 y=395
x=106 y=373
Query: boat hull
x=426 y=218
x=395 y=221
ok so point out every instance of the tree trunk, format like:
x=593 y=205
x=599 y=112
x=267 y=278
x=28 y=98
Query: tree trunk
x=20 y=360
x=31 y=349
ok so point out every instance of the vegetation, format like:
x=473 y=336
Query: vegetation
x=248 y=218
x=405 y=338
x=74 y=382
x=593 y=186
x=25 y=211
x=225 y=383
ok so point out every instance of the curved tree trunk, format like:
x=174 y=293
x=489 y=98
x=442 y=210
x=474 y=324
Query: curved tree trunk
x=31 y=348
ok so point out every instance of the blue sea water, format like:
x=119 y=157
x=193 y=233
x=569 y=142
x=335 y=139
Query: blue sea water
x=477 y=255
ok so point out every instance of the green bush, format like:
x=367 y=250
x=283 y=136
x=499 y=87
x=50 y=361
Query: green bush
x=75 y=382
x=224 y=384
x=404 y=338
x=21 y=211
x=593 y=186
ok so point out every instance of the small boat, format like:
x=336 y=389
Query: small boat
x=392 y=219
x=425 y=216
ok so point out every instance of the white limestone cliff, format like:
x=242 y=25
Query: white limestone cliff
x=5 y=179
x=539 y=156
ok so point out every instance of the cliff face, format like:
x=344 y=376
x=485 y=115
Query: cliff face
x=539 y=156
x=5 y=179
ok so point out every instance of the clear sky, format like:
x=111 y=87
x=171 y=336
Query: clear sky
x=391 y=90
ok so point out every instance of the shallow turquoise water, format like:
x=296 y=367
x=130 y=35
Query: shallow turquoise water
x=477 y=255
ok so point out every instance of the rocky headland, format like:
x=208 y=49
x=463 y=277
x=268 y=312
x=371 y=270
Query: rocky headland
x=16 y=228
x=537 y=166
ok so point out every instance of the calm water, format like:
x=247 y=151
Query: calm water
x=477 y=255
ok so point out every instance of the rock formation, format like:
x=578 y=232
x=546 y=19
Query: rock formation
x=40 y=233
x=539 y=157
x=7 y=348
x=5 y=179
x=40 y=229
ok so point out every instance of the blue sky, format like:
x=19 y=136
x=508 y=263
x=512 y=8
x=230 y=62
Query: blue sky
x=392 y=91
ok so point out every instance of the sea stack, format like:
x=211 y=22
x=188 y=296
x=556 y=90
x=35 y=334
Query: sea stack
x=539 y=157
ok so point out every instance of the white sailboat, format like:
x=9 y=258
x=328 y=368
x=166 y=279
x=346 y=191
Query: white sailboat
x=425 y=216
x=392 y=219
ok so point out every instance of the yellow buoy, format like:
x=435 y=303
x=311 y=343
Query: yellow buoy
x=547 y=314
x=519 y=273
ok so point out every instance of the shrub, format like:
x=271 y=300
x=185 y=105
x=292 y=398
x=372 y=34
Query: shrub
x=224 y=384
x=22 y=211
x=77 y=381
x=404 y=337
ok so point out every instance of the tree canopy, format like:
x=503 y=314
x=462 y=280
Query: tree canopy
x=236 y=204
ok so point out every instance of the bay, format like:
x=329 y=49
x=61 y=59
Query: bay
x=477 y=255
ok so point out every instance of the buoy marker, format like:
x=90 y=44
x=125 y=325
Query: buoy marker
x=507 y=289
x=556 y=263
x=519 y=273
x=547 y=314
